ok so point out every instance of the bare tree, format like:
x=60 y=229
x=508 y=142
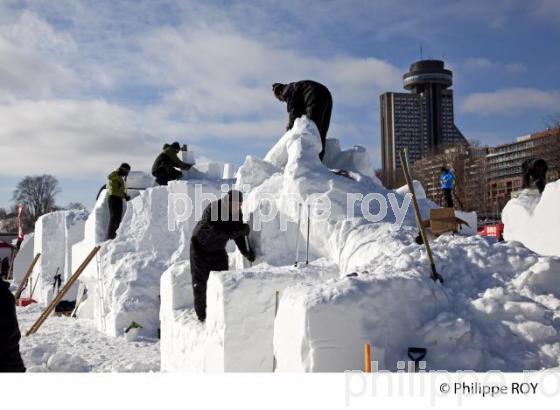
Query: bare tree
x=37 y=193
x=78 y=206
x=552 y=120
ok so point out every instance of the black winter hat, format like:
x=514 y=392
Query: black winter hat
x=124 y=165
x=176 y=146
x=235 y=194
x=278 y=89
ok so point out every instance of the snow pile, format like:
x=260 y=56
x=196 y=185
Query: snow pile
x=24 y=257
x=534 y=220
x=492 y=312
x=292 y=174
x=55 y=234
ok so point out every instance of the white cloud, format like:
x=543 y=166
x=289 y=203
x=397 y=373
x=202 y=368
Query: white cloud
x=71 y=111
x=548 y=10
x=510 y=101
x=481 y=63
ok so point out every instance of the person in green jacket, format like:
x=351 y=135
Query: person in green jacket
x=116 y=193
x=164 y=168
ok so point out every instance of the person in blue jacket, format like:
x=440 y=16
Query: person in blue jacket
x=447 y=180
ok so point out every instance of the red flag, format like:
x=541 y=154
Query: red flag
x=21 y=235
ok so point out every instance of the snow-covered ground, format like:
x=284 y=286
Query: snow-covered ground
x=64 y=344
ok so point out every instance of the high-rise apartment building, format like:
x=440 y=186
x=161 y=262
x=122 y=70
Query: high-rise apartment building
x=421 y=120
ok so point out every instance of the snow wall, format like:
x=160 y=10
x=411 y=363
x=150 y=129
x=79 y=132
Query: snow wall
x=55 y=234
x=123 y=281
x=24 y=257
x=534 y=219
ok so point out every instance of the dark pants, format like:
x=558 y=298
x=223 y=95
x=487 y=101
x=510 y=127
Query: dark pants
x=163 y=176
x=321 y=116
x=10 y=362
x=10 y=357
x=201 y=265
x=447 y=198
x=115 y=215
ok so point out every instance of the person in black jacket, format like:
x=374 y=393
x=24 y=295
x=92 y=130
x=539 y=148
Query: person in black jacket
x=5 y=268
x=221 y=221
x=164 y=167
x=308 y=98
x=534 y=173
x=10 y=358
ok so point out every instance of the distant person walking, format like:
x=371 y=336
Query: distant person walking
x=116 y=194
x=10 y=357
x=308 y=98
x=164 y=167
x=447 y=180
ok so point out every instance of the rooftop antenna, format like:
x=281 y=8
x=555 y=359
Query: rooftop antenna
x=421 y=53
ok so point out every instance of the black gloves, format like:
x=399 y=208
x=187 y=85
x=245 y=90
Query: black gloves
x=250 y=255
x=127 y=197
x=245 y=230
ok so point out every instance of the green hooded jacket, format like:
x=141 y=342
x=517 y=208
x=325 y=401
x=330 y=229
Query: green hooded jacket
x=116 y=185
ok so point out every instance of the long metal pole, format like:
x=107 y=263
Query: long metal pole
x=298 y=234
x=404 y=162
x=308 y=226
x=276 y=303
x=248 y=248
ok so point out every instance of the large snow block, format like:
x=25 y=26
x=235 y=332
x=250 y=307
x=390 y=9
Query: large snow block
x=241 y=311
x=238 y=333
x=24 y=257
x=55 y=234
x=355 y=159
x=139 y=180
x=323 y=327
x=534 y=220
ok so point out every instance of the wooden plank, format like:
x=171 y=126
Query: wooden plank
x=25 y=278
x=367 y=358
x=404 y=163
x=62 y=292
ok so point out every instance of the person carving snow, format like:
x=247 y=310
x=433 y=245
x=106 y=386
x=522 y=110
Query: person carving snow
x=116 y=193
x=164 y=167
x=221 y=221
x=10 y=357
x=308 y=98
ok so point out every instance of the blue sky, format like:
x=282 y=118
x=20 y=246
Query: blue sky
x=86 y=85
